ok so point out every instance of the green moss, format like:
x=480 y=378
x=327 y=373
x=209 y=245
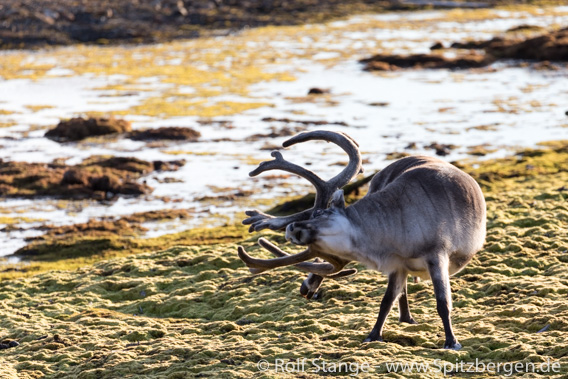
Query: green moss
x=193 y=308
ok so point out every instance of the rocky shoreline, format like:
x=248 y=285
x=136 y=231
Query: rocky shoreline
x=545 y=48
x=64 y=22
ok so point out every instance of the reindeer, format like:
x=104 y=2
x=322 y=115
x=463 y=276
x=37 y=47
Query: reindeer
x=421 y=216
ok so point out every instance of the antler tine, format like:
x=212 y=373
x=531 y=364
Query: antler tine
x=256 y=265
x=342 y=140
x=318 y=268
x=279 y=163
x=343 y=273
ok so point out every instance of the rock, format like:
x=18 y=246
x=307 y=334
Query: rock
x=134 y=165
x=411 y=146
x=545 y=66
x=169 y=165
x=75 y=176
x=318 y=91
x=95 y=178
x=135 y=189
x=437 y=46
x=551 y=46
x=166 y=133
x=441 y=149
x=380 y=66
x=4 y=346
x=13 y=344
x=525 y=28
x=394 y=62
x=79 y=128
x=106 y=183
x=476 y=45
x=283 y=132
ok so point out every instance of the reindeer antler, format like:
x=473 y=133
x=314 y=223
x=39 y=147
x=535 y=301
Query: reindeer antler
x=324 y=190
x=257 y=266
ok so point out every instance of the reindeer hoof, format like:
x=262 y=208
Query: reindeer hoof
x=408 y=321
x=372 y=338
x=308 y=293
x=454 y=346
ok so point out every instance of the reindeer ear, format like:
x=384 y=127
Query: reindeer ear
x=337 y=200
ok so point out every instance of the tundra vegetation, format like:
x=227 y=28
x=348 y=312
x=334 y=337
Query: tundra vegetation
x=98 y=300
x=194 y=308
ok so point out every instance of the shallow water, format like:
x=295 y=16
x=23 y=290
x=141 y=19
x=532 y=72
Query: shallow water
x=276 y=67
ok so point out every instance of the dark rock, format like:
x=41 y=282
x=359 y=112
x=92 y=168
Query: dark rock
x=79 y=128
x=381 y=62
x=106 y=183
x=4 y=346
x=318 y=91
x=551 y=46
x=13 y=343
x=126 y=164
x=283 y=132
x=95 y=178
x=441 y=149
x=525 y=28
x=477 y=45
x=75 y=176
x=169 y=165
x=410 y=146
x=380 y=66
x=165 y=133
x=437 y=46
x=133 y=188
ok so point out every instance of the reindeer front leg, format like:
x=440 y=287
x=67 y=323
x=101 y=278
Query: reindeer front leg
x=396 y=282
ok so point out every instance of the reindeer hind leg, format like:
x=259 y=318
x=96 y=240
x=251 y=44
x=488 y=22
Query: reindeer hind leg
x=439 y=272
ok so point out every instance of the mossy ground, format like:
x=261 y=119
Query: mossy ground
x=194 y=310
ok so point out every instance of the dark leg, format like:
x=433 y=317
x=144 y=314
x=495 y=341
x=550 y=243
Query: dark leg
x=394 y=288
x=310 y=285
x=403 y=308
x=438 y=269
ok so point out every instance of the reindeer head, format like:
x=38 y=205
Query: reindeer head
x=328 y=230
x=318 y=215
